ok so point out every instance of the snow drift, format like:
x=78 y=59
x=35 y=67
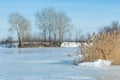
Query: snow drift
x=78 y=60
x=97 y=63
x=70 y=44
x=9 y=45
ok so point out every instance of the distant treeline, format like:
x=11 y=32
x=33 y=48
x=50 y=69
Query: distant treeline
x=54 y=27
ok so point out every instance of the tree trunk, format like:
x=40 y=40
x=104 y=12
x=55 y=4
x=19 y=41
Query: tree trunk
x=20 y=40
x=55 y=37
x=44 y=36
x=49 y=36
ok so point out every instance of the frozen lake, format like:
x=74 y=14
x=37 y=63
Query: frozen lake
x=49 y=64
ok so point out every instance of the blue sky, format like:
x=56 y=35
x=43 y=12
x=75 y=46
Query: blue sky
x=86 y=15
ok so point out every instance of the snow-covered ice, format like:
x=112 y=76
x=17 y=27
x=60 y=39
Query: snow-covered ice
x=49 y=64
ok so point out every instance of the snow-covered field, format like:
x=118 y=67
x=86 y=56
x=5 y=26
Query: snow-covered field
x=49 y=64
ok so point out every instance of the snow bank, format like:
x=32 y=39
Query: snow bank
x=70 y=44
x=74 y=44
x=8 y=45
x=98 y=63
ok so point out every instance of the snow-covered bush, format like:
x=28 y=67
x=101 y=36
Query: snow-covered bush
x=78 y=59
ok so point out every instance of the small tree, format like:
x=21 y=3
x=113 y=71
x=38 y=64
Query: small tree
x=19 y=24
x=9 y=40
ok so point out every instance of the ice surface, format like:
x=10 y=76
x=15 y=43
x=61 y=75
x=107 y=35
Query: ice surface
x=49 y=64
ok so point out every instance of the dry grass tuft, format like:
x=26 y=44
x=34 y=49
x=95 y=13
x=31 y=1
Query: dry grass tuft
x=105 y=46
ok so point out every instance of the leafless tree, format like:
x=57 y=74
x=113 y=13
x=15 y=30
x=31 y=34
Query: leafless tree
x=63 y=24
x=52 y=24
x=44 y=19
x=110 y=28
x=19 y=24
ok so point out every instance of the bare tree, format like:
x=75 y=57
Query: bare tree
x=63 y=23
x=44 y=21
x=19 y=24
x=53 y=24
x=114 y=26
